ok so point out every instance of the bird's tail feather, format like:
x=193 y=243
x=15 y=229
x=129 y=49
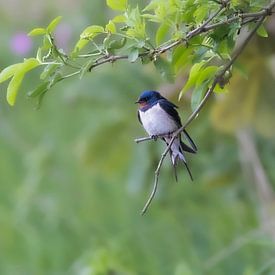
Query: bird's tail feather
x=188 y=170
x=190 y=140
x=176 y=153
x=174 y=166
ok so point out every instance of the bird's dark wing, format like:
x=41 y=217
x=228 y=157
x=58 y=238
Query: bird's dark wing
x=170 y=109
x=191 y=142
x=186 y=148
x=139 y=117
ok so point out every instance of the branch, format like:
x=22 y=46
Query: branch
x=138 y=140
x=197 y=31
x=253 y=15
x=216 y=81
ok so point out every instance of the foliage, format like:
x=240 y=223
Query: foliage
x=73 y=181
x=174 y=35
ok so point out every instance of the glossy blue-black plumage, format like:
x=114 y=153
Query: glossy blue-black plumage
x=150 y=98
x=153 y=97
x=147 y=100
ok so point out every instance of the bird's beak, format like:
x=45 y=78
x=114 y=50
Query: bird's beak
x=137 y=101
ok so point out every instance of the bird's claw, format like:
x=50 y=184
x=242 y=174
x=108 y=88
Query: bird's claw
x=154 y=137
x=170 y=134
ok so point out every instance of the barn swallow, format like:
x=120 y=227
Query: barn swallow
x=159 y=117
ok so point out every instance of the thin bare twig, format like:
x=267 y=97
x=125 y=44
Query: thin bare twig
x=216 y=80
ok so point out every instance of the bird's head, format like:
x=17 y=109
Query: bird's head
x=148 y=98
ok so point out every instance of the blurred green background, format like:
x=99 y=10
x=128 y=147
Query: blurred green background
x=73 y=182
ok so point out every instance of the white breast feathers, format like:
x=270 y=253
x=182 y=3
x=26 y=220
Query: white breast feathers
x=156 y=121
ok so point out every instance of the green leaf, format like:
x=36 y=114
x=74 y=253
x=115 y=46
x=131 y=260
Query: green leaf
x=39 y=55
x=202 y=78
x=39 y=93
x=91 y=31
x=40 y=98
x=224 y=50
x=42 y=88
x=197 y=96
x=235 y=3
x=219 y=90
x=46 y=43
x=81 y=43
x=28 y=65
x=206 y=74
x=14 y=86
x=201 y=53
x=106 y=41
x=262 y=31
x=117 y=44
x=136 y=27
x=181 y=57
x=120 y=5
x=48 y=71
x=51 y=27
x=161 y=33
x=164 y=68
x=201 y=13
x=146 y=59
x=37 y=31
x=153 y=5
x=111 y=27
x=55 y=78
x=85 y=67
x=19 y=74
x=140 y=44
x=9 y=72
x=194 y=72
x=119 y=19
x=133 y=55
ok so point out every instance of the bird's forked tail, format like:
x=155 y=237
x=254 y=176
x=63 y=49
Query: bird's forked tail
x=176 y=153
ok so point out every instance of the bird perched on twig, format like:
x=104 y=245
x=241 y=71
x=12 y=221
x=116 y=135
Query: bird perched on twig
x=160 y=118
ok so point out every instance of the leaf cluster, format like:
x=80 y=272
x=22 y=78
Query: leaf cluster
x=174 y=35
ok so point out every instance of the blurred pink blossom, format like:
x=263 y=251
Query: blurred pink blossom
x=21 y=43
x=63 y=34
